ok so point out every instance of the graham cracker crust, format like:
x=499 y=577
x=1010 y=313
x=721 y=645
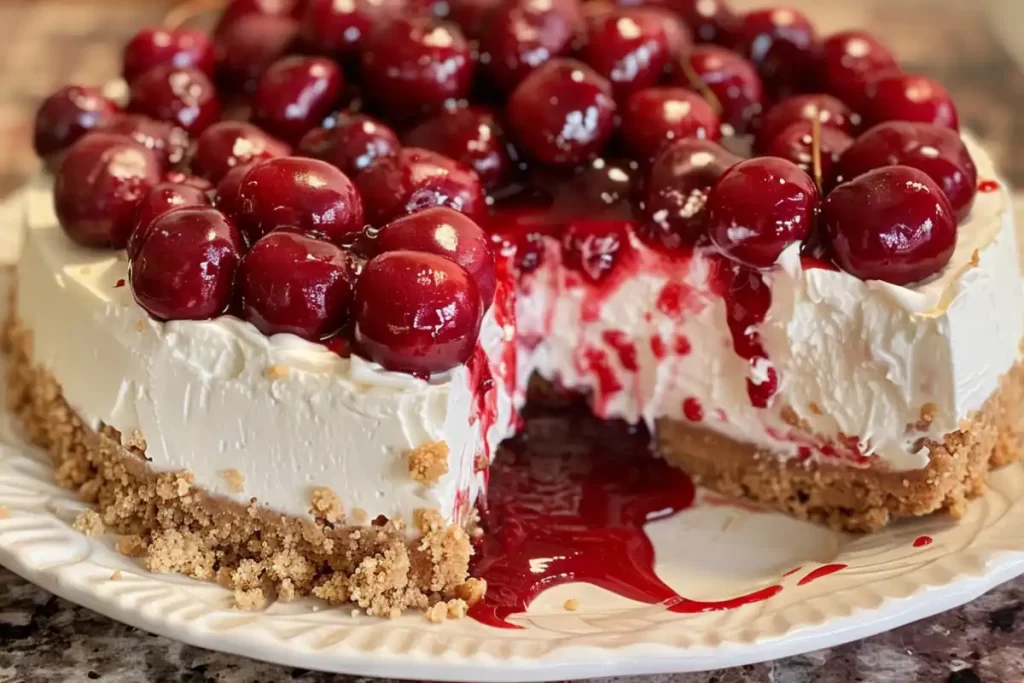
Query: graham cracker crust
x=854 y=499
x=173 y=526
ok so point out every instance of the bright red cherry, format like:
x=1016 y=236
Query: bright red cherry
x=184 y=97
x=710 y=20
x=227 y=144
x=67 y=115
x=732 y=79
x=891 y=224
x=631 y=46
x=831 y=112
x=416 y=312
x=307 y=194
x=185 y=268
x=250 y=44
x=781 y=41
x=937 y=151
x=295 y=94
x=677 y=189
x=796 y=143
x=412 y=66
x=335 y=28
x=416 y=179
x=847 y=61
x=902 y=97
x=353 y=143
x=227 y=197
x=236 y=9
x=176 y=48
x=164 y=197
x=99 y=186
x=447 y=233
x=654 y=117
x=295 y=284
x=524 y=34
x=168 y=143
x=594 y=247
x=562 y=113
x=758 y=208
x=470 y=135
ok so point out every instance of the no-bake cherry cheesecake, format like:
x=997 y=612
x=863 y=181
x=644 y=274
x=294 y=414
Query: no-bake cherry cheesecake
x=286 y=293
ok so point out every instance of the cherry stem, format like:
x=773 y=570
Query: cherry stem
x=185 y=11
x=698 y=84
x=816 y=150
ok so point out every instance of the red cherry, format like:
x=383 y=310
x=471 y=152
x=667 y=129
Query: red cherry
x=417 y=179
x=600 y=190
x=447 y=233
x=469 y=135
x=656 y=116
x=298 y=285
x=796 y=143
x=160 y=47
x=237 y=9
x=416 y=312
x=180 y=178
x=710 y=20
x=247 y=46
x=781 y=41
x=902 y=97
x=733 y=80
x=227 y=144
x=184 y=97
x=352 y=144
x=99 y=186
x=631 y=46
x=164 y=197
x=185 y=268
x=228 y=198
x=831 y=112
x=295 y=94
x=412 y=66
x=473 y=16
x=168 y=143
x=330 y=27
x=594 y=247
x=758 y=208
x=67 y=115
x=891 y=224
x=524 y=34
x=937 y=151
x=677 y=189
x=562 y=113
x=848 y=60
x=308 y=194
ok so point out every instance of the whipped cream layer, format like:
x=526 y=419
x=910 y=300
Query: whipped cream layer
x=848 y=371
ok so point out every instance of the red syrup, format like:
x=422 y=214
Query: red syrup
x=619 y=342
x=922 y=541
x=693 y=410
x=820 y=573
x=988 y=186
x=119 y=284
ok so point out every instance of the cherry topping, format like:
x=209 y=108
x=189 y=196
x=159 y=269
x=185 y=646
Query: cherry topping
x=164 y=197
x=184 y=97
x=176 y=48
x=473 y=16
x=296 y=284
x=330 y=27
x=831 y=112
x=295 y=94
x=710 y=20
x=307 y=194
x=562 y=113
x=848 y=60
x=469 y=135
x=796 y=143
x=227 y=144
x=758 y=208
x=353 y=143
x=902 y=97
x=416 y=312
x=185 y=268
x=99 y=186
x=168 y=143
x=594 y=247
x=247 y=46
x=237 y=9
x=67 y=115
x=524 y=34
x=656 y=116
x=228 y=198
x=447 y=233
x=937 y=151
x=677 y=189
x=891 y=224
x=181 y=178
x=416 y=179
x=733 y=80
x=781 y=42
x=412 y=66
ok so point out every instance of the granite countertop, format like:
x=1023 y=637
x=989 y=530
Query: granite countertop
x=47 y=640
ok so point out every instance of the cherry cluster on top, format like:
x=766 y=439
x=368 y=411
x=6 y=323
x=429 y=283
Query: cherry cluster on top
x=350 y=201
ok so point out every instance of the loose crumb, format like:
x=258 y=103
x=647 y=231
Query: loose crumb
x=234 y=479
x=140 y=325
x=276 y=371
x=116 y=576
x=457 y=608
x=571 y=605
x=438 y=613
x=926 y=416
x=132 y=546
x=89 y=523
x=471 y=591
x=429 y=462
x=326 y=506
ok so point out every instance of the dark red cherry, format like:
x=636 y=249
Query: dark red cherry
x=524 y=34
x=847 y=61
x=891 y=224
x=295 y=94
x=732 y=79
x=236 y=9
x=335 y=28
x=415 y=179
x=247 y=46
x=758 y=208
x=710 y=20
x=631 y=46
x=412 y=66
x=796 y=143
x=416 y=312
x=181 y=178
x=831 y=112
x=294 y=284
x=99 y=186
x=185 y=268
x=937 y=151
x=227 y=144
x=168 y=143
x=903 y=97
x=161 y=47
x=781 y=42
x=603 y=189
x=655 y=117
x=677 y=189
x=473 y=16
x=469 y=135
x=447 y=233
x=562 y=113
x=164 y=197
x=594 y=247
x=308 y=194
x=184 y=97
x=67 y=115
x=227 y=197
x=352 y=144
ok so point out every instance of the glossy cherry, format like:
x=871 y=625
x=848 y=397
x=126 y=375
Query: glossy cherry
x=524 y=34
x=653 y=117
x=184 y=97
x=227 y=196
x=594 y=247
x=353 y=143
x=758 y=208
x=473 y=15
x=938 y=151
x=847 y=60
x=236 y=9
x=891 y=224
x=227 y=144
x=165 y=196
x=677 y=188
x=796 y=143
x=416 y=312
x=470 y=135
x=307 y=194
x=781 y=42
x=602 y=189
x=185 y=268
x=295 y=94
x=562 y=113
x=903 y=97
x=335 y=28
x=416 y=179
x=99 y=186
x=182 y=178
x=830 y=111
x=733 y=80
x=67 y=115
x=168 y=143
x=250 y=44
x=712 y=21
x=447 y=233
x=161 y=47
x=290 y=283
